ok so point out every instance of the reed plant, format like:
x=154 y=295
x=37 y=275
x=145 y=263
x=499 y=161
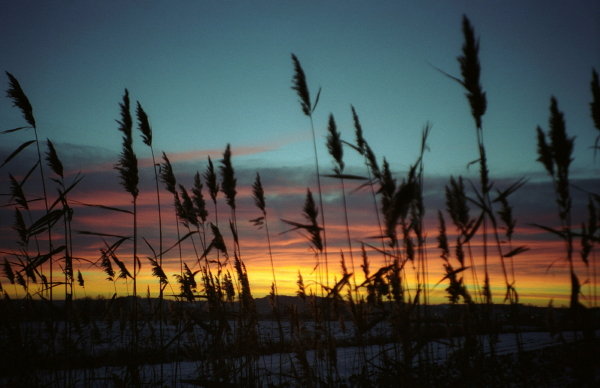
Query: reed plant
x=127 y=166
x=308 y=108
x=381 y=325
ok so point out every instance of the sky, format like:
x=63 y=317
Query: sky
x=212 y=73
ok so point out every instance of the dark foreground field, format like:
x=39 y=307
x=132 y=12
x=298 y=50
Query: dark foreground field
x=505 y=346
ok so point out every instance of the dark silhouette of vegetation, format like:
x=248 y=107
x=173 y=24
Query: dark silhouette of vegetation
x=370 y=324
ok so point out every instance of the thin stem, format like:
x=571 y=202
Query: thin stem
x=37 y=144
x=312 y=127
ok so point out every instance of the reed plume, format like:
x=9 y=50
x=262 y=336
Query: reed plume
x=308 y=108
x=258 y=195
x=168 y=178
x=555 y=153
x=210 y=177
x=128 y=171
x=20 y=100
x=127 y=164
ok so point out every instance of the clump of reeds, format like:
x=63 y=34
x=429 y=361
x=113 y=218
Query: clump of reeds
x=127 y=166
x=308 y=108
x=555 y=153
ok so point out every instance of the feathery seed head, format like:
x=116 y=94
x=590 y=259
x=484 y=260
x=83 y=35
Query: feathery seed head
x=127 y=164
x=334 y=145
x=258 y=194
x=188 y=213
x=19 y=99
x=456 y=204
x=228 y=178
x=53 y=160
x=198 y=198
x=300 y=86
x=211 y=180
x=562 y=145
x=470 y=70
x=167 y=175
x=360 y=140
x=144 y=125
x=544 y=152
x=311 y=212
x=126 y=123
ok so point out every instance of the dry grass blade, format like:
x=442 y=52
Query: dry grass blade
x=110 y=208
x=19 y=99
x=13 y=130
x=516 y=251
x=45 y=222
x=36 y=261
x=17 y=151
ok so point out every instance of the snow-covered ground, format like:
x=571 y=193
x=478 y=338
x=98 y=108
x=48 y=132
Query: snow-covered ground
x=99 y=338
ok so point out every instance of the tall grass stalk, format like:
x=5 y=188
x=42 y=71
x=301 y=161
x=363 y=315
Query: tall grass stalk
x=258 y=194
x=168 y=178
x=308 y=108
x=20 y=100
x=334 y=145
x=146 y=131
x=555 y=153
x=373 y=174
x=128 y=171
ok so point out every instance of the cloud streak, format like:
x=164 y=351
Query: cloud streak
x=285 y=188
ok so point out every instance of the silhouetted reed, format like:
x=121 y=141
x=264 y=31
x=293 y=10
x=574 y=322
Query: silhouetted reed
x=555 y=153
x=214 y=320
x=128 y=172
x=308 y=108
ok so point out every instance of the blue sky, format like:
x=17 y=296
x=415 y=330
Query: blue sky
x=210 y=73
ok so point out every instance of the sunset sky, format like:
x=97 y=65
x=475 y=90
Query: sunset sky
x=212 y=73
